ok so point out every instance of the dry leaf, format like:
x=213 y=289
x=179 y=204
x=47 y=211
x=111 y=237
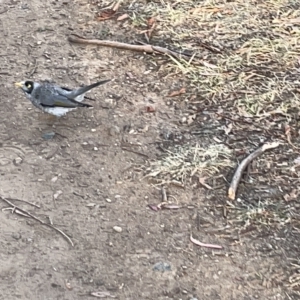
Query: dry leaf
x=177 y=93
x=217 y=140
x=297 y=161
x=196 y=242
x=106 y=14
x=291 y=196
x=68 y=285
x=150 y=108
x=130 y=75
x=123 y=17
x=287 y=131
x=151 y=22
x=102 y=295
x=154 y=207
x=151 y=25
x=202 y=181
x=170 y=206
x=191 y=119
x=228 y=129
x=116 y=6
x=163 y=205
x=208 y=65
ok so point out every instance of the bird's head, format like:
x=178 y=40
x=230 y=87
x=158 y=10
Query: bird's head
x=26 y=86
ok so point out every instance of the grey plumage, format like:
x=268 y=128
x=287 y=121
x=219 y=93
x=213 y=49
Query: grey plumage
x=54 y=99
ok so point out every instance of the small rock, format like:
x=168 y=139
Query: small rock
x=162 y=267
x=57 y=194
x=48 y=135
x=108 y=103
x=54 y=179
x=108 y=200
x=114 y=130
x=117 y=196
x=117 y=229
x=18 y=160
x=93 y=130
x=16 y=235
x=95 y=149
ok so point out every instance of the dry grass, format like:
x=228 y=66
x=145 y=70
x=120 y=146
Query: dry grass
x=183 y=162
x=248 y=50
x=263 y=213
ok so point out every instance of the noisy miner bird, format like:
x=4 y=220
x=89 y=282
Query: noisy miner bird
x=53 y=99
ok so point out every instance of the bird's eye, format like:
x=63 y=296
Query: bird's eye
x=28 y=85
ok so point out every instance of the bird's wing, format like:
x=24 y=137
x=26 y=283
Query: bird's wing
x=48 y=96
x=69 y=90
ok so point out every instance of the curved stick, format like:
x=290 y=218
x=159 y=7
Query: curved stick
x=239 y=171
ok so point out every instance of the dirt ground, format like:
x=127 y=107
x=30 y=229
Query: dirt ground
x=89 y=179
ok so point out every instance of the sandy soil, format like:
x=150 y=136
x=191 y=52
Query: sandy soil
x=86 y=183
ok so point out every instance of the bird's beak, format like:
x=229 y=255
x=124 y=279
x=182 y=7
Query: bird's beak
x=19 y=84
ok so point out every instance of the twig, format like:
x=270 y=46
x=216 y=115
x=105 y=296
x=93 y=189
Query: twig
x=21 y=200
x=239 y=171
x=37 y=219
x=33 y=69
x=15 y=210
x=74 y=38
x=135 y=152
x=164 y=194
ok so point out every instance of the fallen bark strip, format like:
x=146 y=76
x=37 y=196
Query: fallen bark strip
x=74 y=38
x=196 y=242
x=27 y=214
x=239 y=171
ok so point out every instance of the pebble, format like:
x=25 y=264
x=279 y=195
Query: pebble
x=57 y=194
x=113 y=131
x=117 y=228
x=108 y=103
x=162 y=266
x=54 y=179
x=108 y=200
x=48 y=135
x=18 y=160
x=16 y=235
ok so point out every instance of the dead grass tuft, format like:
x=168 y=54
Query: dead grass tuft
x=183 y=162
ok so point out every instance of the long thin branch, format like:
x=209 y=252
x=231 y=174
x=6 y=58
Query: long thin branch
x=37 y=219
x=74 y=38
x=239 y=171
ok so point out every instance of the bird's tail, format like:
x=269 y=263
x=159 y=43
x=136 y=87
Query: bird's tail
x=85 y=89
